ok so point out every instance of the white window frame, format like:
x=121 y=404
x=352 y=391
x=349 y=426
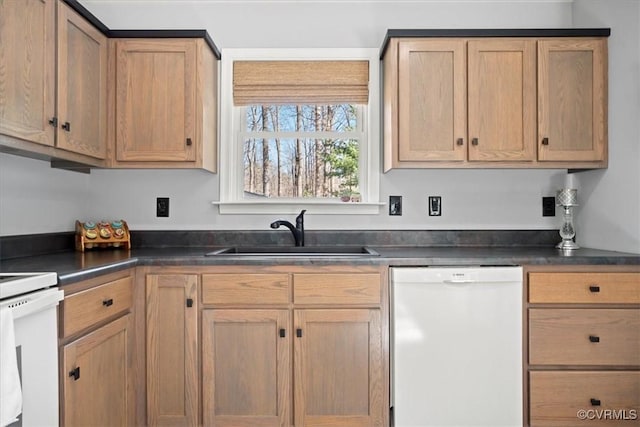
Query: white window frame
x=231 y=170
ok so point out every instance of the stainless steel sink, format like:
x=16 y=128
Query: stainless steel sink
x=350 y=251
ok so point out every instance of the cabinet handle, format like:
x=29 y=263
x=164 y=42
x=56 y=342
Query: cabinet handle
x=595 y=402
x=189 y=142
x=299 y=333
x=66 y=126
x=594 y=288
x=474 y=141
x=545 y=141
x=75 y=373
x=107 y=302
x=189 y=302
x=283 y=333
x=460 y=141
x=594 y=338
x=53 y=122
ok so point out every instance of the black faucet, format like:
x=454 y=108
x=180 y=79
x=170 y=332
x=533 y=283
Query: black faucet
x=297 y=231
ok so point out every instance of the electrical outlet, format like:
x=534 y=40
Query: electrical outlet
x=162 y=207
x=395 y=205
x=435 y=206
x=548 y=206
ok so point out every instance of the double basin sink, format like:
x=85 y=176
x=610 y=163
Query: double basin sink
x=335 y=251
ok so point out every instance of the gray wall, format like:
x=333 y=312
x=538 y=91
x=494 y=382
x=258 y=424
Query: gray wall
x=484 y=199
x=609 y=215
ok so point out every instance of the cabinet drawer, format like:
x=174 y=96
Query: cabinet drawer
x=86 y=308
x=245 y=289
x=593 y=288
x=584 y=336
x=557 y=397
x=336 y=289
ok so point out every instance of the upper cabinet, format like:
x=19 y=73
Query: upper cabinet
x=572 y=100
x=512 y=99
x=165 y=104
x=82 y=85
x=73 y=90
x=57 y=103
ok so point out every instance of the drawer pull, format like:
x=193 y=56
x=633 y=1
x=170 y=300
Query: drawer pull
x=594 y=288
x=107 y=302
x=283 y=333
x=75 y=373
x=595 y=402
x=594 y=338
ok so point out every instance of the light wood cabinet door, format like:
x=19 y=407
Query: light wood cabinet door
x=432 y=100
x=155 y=100
x=97 y=377
x=338 y=367
x=572 y=100
x=82 y=85
x=502 y=100
x=172 y=344
x=27 y=61
x=246 y=368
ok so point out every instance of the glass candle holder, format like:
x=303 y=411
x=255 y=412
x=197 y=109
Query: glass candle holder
x=568 y=199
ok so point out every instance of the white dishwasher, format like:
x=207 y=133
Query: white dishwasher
x=456 y=357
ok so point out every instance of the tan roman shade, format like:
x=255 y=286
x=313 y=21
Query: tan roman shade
x=300 y=82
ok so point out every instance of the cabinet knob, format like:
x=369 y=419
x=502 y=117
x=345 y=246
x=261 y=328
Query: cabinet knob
x=595 y=402
x=189 y=302
x=283 y=333
x=189 y=142
x=545 y=141
x=474 y=141
x=299 y=333
x=107 y=302
x=75 y=373
x=460 y=141
x=594 y=338
x=594 y=288
x=53 y=121
x=66 y=126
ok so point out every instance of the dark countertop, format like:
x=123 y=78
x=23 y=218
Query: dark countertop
x=76 y=266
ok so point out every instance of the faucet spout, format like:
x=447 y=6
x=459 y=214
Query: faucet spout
x=297 y=230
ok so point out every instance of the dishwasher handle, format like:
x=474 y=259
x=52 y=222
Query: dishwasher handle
x=458 y=282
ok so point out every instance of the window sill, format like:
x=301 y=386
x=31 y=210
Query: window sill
x=294 y=207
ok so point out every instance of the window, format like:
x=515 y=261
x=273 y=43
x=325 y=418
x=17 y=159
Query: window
x=302 y=151
x=296 y=131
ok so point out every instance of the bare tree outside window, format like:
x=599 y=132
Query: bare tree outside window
x=301 y=151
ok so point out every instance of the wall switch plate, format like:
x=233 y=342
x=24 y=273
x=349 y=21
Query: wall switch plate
x=435 y=206
x=395 y=205
x=162 y=207
x=548 y=206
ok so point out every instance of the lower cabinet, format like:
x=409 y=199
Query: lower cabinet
x=172 y=349
x=246 y=372
x=97 y=340
x=583 y=346
x=299 y=347
x=96 y=378
x=338 y=367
